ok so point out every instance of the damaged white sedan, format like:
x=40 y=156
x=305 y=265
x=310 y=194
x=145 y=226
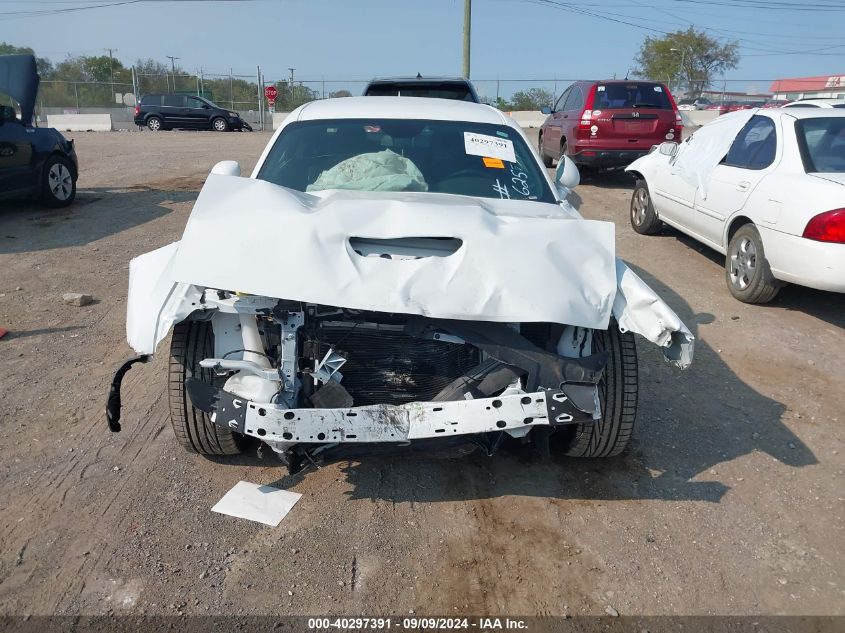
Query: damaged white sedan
x=395 y=269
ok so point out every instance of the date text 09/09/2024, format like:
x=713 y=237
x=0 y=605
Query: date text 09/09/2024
x=418 y=623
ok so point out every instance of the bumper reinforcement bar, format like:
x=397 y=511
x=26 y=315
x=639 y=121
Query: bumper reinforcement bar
x=385 y=423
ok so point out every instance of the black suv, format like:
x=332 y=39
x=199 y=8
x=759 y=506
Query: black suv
x=432 y=87
x=166 y=112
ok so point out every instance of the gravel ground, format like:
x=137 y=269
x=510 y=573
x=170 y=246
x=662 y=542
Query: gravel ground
x=729 y=501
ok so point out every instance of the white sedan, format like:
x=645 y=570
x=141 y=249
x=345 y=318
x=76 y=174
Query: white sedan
x=764 y=187
x=401 y=239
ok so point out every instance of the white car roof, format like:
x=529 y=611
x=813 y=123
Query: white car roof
x=824 y=102
x=400 y=108
x=802 y=113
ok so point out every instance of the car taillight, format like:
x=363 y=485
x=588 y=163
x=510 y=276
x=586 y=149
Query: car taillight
x=587 y=115
x=137 y=110
x=827 y=227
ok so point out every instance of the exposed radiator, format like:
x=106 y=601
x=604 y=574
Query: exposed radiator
x=386 y=366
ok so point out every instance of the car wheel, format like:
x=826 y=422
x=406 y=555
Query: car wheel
x=219 y=125
x=548 y=161
x=747 y=272
x=154 y=124
x=192 y=341
x=644 y=219
x=618 y=392
x=58 y=182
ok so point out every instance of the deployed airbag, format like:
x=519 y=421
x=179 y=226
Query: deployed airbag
x=377 y=171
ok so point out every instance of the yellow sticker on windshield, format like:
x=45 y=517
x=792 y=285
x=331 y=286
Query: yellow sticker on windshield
x=495 y=163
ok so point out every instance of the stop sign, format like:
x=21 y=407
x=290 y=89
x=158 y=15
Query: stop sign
x=270 y=92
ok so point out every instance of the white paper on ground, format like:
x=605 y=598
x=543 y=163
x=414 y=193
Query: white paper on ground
x=264 y=504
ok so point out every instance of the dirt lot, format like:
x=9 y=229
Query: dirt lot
x=730 y=500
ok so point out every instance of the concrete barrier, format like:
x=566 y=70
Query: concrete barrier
x=697 y=118
x=278 y=117
x=80 y=122
x=527 y=118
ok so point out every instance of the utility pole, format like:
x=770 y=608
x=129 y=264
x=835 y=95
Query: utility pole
x=111 y=68
x=173 y=68
x=467 y=29
x=290 y=89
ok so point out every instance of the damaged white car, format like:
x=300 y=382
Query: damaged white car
x=395 y=269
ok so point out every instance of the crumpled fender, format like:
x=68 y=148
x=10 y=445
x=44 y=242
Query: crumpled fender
x=156 y=303
x=638 y=309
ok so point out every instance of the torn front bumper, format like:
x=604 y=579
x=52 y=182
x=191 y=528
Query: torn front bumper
x=388 y=423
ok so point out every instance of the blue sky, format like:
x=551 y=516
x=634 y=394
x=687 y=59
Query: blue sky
x=358 y=39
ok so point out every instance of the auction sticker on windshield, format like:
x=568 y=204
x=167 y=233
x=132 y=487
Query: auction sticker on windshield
x=490 y=146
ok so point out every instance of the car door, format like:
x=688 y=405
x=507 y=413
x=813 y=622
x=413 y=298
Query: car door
x=673 y=196
x=16 y=149
x=551 y=131
x=198 y=113
x=572 y=108
x=174 y=112
x=753 y=154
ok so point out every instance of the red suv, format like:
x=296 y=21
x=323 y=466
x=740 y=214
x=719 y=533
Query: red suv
x=609 y=123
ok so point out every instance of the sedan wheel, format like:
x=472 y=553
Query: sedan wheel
x=746 y=270
x=743 y=264
x=644 y=220
x=219 y=125
x=58 y=183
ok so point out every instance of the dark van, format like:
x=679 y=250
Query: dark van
x=189 y=112
x=606 y=124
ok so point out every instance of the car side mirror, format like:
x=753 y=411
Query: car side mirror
x=227 y=168
x=206 y=107
x=546 y=110
x=566 y=173
x=669 y=148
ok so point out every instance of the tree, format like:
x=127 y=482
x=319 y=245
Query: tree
x=531 y=99
x=690 y=57
x=43 y=64
x=340 y=93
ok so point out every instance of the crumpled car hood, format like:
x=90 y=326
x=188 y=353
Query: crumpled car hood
x=256 y=237
x=516 y=261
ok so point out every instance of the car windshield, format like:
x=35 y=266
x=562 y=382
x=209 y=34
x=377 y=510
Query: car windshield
x=822 y=143
x=456 y=91
x=471 y=159
x=615 y=96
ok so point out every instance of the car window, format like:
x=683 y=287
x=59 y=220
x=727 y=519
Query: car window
x=175 y=101
x=801 y=105
x=151 y=100
x=562 y=99
x=575 y=99
x=754 y=147
x=638 y=94
x=459 y=92
x=193 y=102
x=406 y=155
x=822 y=144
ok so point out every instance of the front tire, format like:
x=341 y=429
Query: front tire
x=193 y=341
x=747 y=271
x=219 y=125
x=58 y=182
x=618 y=393
x=644 y=218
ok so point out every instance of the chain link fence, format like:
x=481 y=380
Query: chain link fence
x=244 y=93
